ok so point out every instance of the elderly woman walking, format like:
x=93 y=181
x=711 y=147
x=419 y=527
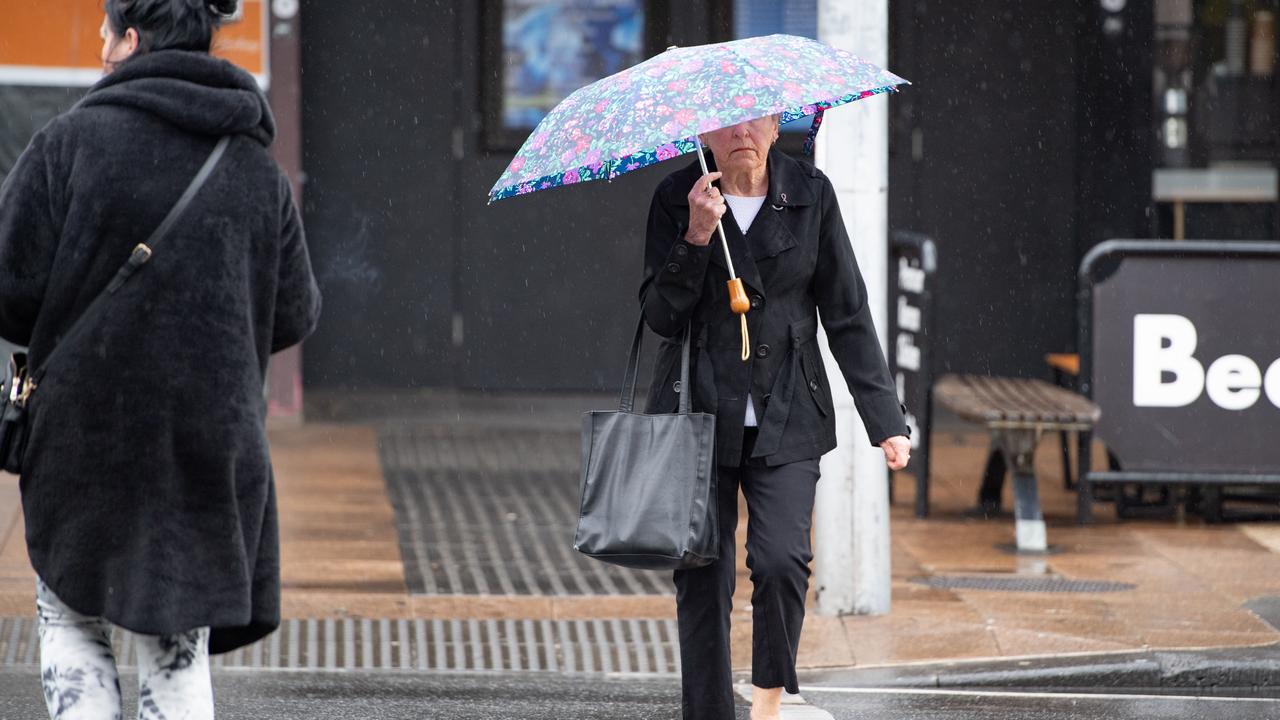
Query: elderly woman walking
x=146 y=481
x=774 y=415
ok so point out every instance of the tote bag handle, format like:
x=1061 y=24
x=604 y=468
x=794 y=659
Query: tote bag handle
x=627 y=402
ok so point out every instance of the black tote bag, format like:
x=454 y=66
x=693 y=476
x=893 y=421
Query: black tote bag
x=648 y=481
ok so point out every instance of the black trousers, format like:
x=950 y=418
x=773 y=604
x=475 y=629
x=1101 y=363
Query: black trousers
x=780 y=507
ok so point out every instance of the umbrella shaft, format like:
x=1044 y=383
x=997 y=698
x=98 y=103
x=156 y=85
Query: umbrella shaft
x=724 y=242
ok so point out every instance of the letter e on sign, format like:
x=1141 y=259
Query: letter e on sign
x=1233 y=382
x=1271 y=384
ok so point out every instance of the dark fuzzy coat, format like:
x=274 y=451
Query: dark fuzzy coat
x=147 y=485
x=797 y=264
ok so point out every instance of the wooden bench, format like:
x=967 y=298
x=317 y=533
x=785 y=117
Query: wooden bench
x=1017 y=413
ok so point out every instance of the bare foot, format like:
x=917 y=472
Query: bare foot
x=766 y=703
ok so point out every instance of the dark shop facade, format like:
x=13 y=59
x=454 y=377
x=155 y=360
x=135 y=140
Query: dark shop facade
x=1031 y=132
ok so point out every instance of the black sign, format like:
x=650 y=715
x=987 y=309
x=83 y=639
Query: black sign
x=912 y=262
x=1181 y=350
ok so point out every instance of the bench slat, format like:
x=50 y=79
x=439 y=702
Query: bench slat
x=988 y=400
x=1009 y=393
x=1036 y=396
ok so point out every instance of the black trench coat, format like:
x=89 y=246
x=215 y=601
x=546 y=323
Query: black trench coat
x=146 y=484
x=797 y=264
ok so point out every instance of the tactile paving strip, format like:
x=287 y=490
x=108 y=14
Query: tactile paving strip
x=486 y=512
x=566 y=646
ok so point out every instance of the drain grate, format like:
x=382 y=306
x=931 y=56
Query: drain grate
x=565 y=646
x=490 y=513
x=1021 y=584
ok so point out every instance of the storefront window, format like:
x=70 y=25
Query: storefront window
x=1217 y=103
x=549 y=48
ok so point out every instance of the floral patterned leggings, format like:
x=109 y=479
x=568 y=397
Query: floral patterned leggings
x=78 y=668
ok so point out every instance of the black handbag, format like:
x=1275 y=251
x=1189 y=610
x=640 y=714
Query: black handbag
x=13 y=412
x=649 y=481
x=21 y=381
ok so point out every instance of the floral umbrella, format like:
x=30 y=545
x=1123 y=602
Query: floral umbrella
x=654 y=111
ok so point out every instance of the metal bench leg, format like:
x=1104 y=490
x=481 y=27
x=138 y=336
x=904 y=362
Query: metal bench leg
x=922 y=480
x=922 y=457
x=1018 y=447
x=1068 y=480
x=1084 y=498
x=1030 y=523
x=989 y=496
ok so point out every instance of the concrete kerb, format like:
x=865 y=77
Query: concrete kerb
x=1210 y=671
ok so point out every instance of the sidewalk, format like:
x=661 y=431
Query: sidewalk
x=454 y=522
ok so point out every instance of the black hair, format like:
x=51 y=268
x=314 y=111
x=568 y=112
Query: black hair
x=170 y=24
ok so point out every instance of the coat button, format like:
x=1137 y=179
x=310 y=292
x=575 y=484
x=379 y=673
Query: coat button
x=762 y=351
x=673 y=268
x=813 y=385
x=676 y=386
x=756 y=302
x=681 y=250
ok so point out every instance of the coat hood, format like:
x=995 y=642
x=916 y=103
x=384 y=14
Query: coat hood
x=192 y=90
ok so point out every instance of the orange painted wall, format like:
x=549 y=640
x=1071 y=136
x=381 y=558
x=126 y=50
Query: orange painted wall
x=64 y=34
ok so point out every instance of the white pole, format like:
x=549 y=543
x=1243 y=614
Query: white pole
x=851 y=524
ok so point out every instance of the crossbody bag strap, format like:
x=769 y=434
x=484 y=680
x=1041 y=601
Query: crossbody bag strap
x=141 y=254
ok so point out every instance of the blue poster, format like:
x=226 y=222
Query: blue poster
x=553 y=47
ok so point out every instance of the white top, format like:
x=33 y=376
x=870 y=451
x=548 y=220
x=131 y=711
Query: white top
x=745 y=210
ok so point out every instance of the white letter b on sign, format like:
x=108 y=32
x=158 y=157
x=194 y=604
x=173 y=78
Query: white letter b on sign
x=1151 y=359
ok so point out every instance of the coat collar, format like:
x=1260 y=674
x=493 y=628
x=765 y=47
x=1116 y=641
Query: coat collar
x=768 y=237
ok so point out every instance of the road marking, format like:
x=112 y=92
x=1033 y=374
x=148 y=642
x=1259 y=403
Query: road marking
x=1035 y=695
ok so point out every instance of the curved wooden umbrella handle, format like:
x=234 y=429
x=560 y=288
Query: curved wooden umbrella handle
x=739 y=304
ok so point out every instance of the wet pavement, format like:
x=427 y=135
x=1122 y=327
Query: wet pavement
x=416 y=696
x=438 y=537
x=493 y=513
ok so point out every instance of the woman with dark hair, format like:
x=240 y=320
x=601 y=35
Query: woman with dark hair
x=146 y=480
x=774 y=413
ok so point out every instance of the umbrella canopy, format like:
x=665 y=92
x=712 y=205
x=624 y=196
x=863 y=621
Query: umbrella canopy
x=654 y=111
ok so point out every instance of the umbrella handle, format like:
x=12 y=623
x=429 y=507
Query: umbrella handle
x=739 y=304
x=738 y=301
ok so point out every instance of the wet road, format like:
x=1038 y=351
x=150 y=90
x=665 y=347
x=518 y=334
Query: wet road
x=283 y=695
x=983 y=705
